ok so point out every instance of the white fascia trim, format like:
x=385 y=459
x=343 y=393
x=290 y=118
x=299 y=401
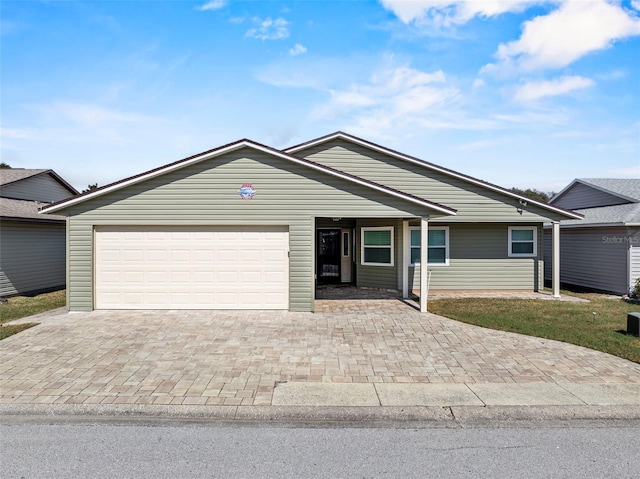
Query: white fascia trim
x=400 y=156
x=228 y=149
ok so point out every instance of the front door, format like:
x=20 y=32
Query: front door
x=329 y=256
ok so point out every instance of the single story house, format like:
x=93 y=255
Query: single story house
x=602 y=251
x=248 y=226
x=32 y=245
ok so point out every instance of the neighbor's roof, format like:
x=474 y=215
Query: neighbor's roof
x=625 y=188
x=13 y=175
x=618 y=215
x=426 y=164
x=25 y=210
x=245 y=143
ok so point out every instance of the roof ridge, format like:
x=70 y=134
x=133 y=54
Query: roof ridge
x=240 y=143
x=427 y=164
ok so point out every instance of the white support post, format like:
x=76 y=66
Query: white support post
x=406 y=250
x=555 y=265
x=424 y=249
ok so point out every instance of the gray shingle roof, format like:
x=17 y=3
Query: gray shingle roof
x=24 y=209
x=9 y=175
x=608 y=215
x=627 y=187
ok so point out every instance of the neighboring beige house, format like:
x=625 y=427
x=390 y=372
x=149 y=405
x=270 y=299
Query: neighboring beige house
x=32 y=245
x=246 y=226
x=602 y=251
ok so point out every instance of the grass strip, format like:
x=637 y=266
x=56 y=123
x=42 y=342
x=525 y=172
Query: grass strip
x=23 y=306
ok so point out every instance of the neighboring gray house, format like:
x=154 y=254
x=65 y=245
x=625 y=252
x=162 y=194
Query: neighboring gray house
x=246 y=226
x=602 y=251
x=32 y=245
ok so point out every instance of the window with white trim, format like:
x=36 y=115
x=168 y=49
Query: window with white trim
x=438 y=247
x=523 y=241
x=377 y=246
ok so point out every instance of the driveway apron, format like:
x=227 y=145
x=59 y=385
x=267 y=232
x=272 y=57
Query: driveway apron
x=239 y=357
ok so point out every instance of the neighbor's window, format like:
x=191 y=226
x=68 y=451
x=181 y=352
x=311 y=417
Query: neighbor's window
x=523 y=241
x=377 y=246
x=438 y=247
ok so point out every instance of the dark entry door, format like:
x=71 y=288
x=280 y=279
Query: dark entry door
x=328 y=244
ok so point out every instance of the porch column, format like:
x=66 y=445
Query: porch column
x=406 y=247
x=424 y=249
x=555 y=263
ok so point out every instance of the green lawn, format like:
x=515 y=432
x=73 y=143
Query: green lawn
x=23 y=306
x=570 y=322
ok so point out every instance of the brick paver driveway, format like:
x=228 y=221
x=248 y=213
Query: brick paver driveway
x=237 y=357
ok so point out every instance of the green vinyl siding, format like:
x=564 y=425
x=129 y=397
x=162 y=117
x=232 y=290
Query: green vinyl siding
x=206 y=193
x=473 y=202
x=478 y=259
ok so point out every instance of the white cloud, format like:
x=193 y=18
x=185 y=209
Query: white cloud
x=635 y=4
x=448 y=12
x=269 y=29
x=212 y=5
x=561 y=86
x=298 y=49
x=565 y=35
x=392 y=97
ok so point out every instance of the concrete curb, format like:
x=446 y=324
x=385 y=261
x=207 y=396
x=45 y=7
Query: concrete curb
x=361 y=416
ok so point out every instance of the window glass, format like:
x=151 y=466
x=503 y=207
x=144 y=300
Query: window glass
x=521 y=235
x=415 y=255
x=415 y=238
x=437 y=237
x=377 y=255
x=522 y=248
x=522 y=241
x=437 y=246
x=377 y=238
x=377 y=246
x=437 y=256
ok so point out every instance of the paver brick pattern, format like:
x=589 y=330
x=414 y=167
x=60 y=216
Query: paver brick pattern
x=238 y=357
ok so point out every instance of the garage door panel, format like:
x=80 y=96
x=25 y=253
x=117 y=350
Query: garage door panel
x=191 y=268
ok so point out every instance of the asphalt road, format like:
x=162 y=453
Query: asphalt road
x=201 y=450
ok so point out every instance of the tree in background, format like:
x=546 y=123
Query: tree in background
x=4 y=166
x=534 y=194
x=90 y=188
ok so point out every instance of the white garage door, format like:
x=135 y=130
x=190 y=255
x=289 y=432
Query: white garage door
x=191 y=268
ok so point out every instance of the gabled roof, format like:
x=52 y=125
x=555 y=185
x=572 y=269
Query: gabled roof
x=625 y=188
x=617 y=215
x=25 y=210
x=411 y=159
x=244 y=143
x=13 y=175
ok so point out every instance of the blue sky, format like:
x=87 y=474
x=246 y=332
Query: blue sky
x=520 y=93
